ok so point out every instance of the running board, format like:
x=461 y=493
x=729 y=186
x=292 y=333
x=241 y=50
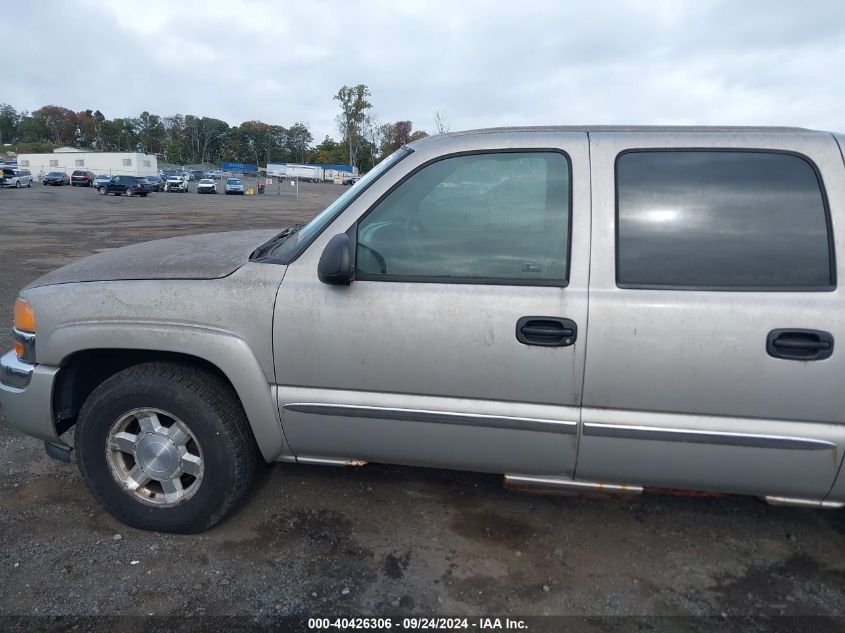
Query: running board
x=562 y=485
x=803 y=503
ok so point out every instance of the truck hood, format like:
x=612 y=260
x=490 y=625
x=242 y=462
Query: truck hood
x=205 y=256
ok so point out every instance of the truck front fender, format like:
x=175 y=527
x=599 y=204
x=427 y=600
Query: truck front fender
x=228 y=353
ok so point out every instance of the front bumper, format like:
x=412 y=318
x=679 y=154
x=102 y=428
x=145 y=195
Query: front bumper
x=26 y=394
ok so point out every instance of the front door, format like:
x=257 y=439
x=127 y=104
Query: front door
x=460 y=343
x=716 y=328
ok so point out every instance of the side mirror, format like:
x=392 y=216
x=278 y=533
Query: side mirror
x=335 y=267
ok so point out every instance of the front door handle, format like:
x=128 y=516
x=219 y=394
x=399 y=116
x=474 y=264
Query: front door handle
x=793 y=344
x=546 y=331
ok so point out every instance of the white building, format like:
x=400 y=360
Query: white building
x=69 y=159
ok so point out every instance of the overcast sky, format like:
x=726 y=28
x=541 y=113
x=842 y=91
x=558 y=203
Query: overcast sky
x=483 y=63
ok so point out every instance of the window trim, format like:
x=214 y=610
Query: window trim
x=720 y=150
x=478 y=281
x=304 y=246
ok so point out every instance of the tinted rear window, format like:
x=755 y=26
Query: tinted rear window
x=721 y=219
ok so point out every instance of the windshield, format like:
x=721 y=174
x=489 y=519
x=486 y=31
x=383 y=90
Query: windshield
x=56 y=174
x=233 y=181
x=206 y=181
x=291 y=247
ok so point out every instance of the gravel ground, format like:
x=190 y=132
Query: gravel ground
x=380 y=539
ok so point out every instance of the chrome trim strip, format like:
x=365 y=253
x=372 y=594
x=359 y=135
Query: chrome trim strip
x=13 y=372
x=725 y=438
x=330 y=461
x=803 y=503
x=562 y=483
x=436 y=417
x=27 y=339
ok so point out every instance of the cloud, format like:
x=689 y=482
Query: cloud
x=485 y=63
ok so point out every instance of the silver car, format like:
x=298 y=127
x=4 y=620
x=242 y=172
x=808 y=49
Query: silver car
x=233 y=186
x=579 y=309
x=102 y=180
x=16 y=177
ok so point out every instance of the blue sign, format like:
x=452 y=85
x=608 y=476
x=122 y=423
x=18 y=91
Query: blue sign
x=240 y=168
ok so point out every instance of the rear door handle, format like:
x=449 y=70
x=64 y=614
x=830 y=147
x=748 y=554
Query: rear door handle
x=546 y=331
x=792 y=344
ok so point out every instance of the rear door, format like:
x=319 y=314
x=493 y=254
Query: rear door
x=460 y=342
x=716 y=323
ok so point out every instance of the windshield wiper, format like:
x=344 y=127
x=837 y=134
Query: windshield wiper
x=262 y=250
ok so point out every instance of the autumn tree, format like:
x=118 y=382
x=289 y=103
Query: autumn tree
x=60 y=123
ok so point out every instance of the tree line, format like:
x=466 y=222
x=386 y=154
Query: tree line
x=189 y=139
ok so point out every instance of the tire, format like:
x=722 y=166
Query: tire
x=18 y=184
x=211 y=412
x=29 y=185
x=128 y=192
x=102 y=191
x=143 y=195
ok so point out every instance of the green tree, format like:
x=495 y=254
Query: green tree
x=174 y=152
x=10 y=122
x=353 y=110
x=33 y=129
x=151 y=133
x=213 y=134
x=297 y=142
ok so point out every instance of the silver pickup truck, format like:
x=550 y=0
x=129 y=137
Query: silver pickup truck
x=579 y=309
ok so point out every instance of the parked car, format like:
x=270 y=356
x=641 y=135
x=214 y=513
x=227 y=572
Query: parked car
x=350 y=181
x=126 y=185
x=206 y=185
x=233 y=187
x=176 y=184
x=102 y=179
x=156 y=183
x=82 y=178
x=436 y=314
x=56 y=178
x=16 y=177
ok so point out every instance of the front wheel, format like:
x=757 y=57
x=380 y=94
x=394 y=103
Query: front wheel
x=18 y=184
x=101 y=190
x=165 y=446
x=128 y=192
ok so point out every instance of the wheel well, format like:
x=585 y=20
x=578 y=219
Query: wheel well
x=83 y=372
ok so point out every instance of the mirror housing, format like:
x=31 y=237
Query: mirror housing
x=335 y=267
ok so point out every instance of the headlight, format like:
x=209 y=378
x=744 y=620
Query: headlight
x=23 y=333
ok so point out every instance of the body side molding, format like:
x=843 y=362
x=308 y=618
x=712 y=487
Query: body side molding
x=436 y=417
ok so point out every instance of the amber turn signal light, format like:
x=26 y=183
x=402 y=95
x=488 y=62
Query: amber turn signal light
x=24 y=316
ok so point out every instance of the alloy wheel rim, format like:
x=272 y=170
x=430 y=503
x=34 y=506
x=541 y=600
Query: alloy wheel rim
x=154 y=457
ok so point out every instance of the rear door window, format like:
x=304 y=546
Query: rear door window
x=749 y=220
